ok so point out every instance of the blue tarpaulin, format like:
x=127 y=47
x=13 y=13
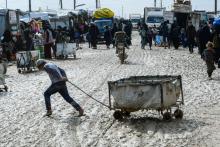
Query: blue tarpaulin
x=216 y=22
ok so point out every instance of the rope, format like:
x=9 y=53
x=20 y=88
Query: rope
x=89 y=95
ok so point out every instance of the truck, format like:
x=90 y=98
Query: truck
x=101 y=23
x=103 y=17
x=169 y=15
x=9 y=20
x=153 y=16
x=135 y=19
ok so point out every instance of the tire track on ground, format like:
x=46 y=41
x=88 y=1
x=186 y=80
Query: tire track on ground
x=137 y=57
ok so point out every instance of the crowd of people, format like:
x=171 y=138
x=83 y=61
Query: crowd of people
x=166 y=35
x=206 y=38
x=25 y=39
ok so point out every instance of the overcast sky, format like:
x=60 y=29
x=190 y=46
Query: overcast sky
x=120 y=7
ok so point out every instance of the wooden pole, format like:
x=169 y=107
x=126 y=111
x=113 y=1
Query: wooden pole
x=155 y=3
x=6 y=4
x=216 y=7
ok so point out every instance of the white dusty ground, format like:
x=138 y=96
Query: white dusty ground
x=22 y=108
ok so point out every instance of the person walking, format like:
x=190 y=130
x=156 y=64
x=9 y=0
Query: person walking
x=183 y=37
x=155 y=33
x=208 y=56
x=191 y=35
x=48 y=42
x=7 y=45
x=150 y=37
x=108 y=37
x=203 y=36
x=58 y=78
x=114 y=30
x=28 y=35
x=165 y=32
x=143 y=34
x=94 y=32
x=216 y=42
x=128 y=30
x=175 y=32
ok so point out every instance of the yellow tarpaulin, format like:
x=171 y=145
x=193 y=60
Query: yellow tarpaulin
x=103 y=13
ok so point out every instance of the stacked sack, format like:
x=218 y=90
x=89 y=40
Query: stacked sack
x=103 y=13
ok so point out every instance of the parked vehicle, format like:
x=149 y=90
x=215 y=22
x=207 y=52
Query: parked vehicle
x=135 y=19
x=103 y=17
x=101 y=23
x=169 y=15
x=9 y=20
x=153 y=16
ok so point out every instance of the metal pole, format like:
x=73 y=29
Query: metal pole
x=161 y=3
x=6 y=4
x=61 y=4
x=29 y=5
x=98 y=5
x=74 y=3
x=122 y=11
x=216 y=7
x=155 y=3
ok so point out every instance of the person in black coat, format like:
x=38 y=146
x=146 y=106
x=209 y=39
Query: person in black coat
x=7 y=44
x=175 y=32
x=94 y=32
x=107 y=36
x=209 y=57
x=191 y=34
x=114 y=30
x=203 y=35
x=127 y=30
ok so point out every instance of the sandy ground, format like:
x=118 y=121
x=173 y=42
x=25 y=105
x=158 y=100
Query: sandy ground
x=22 y=108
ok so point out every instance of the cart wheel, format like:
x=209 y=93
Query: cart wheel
x=19 y=71
x=122 y=58
x=6 y=88
x=167 y=116
x=118 y=115
x=178 y=114
x=126 y=114
x=28 y=69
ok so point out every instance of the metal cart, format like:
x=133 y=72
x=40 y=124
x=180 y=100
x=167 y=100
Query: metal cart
x=161 y=93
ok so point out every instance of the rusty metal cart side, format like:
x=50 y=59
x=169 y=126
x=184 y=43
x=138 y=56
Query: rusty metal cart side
x=140 y=87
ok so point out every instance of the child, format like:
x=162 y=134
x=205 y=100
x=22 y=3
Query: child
x=58 y=79
x=143 y=34
x=208 y=56
x=150 y=37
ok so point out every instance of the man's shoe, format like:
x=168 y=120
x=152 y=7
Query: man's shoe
x=49 y=113
x=81 y=112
